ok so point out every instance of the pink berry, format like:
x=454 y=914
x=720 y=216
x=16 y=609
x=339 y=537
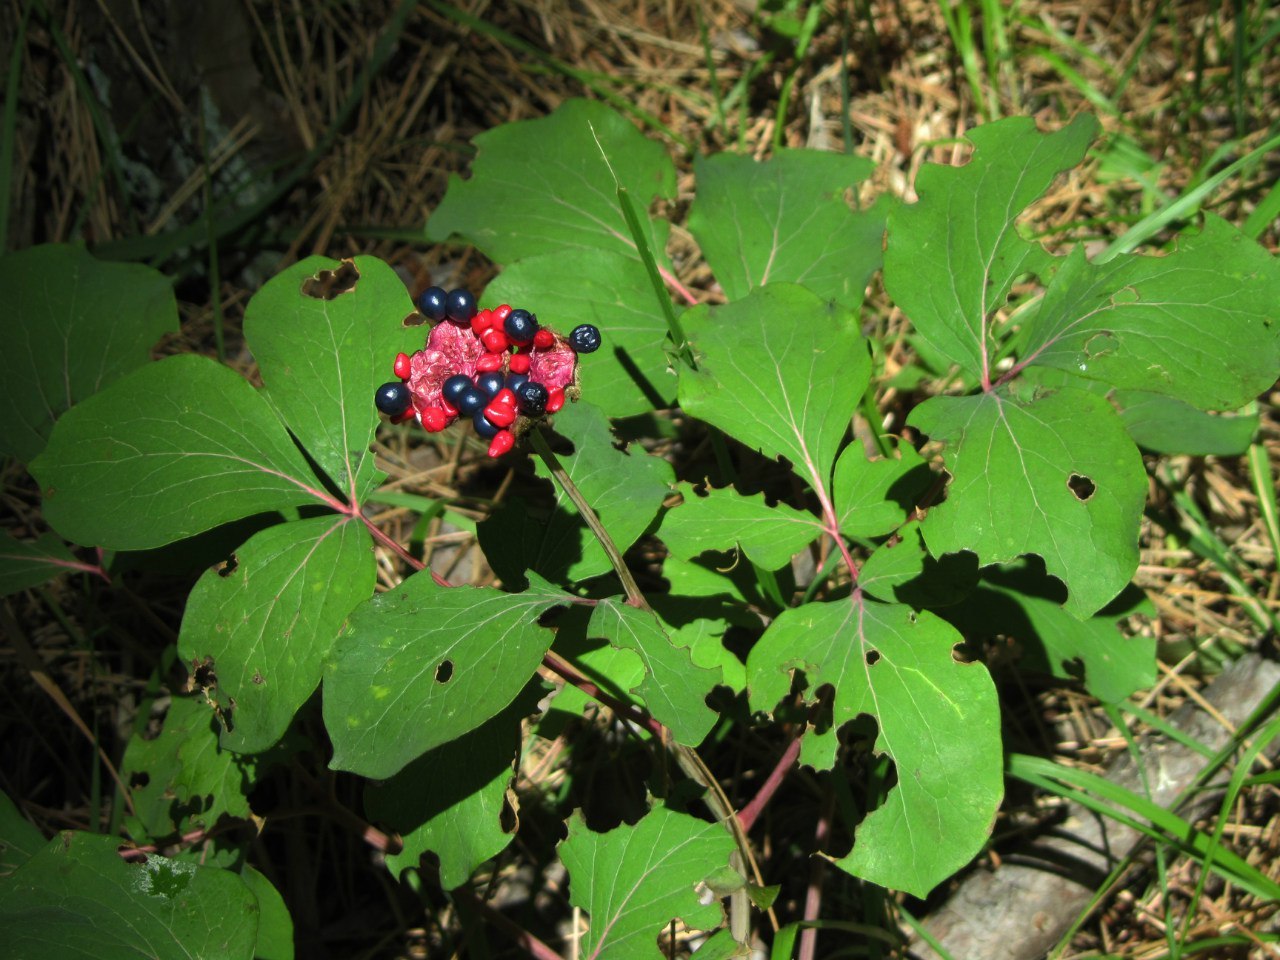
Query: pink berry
x=494 y=340
x=434 y=419
x=502 y=409
x=482 y=321
x=489 y=362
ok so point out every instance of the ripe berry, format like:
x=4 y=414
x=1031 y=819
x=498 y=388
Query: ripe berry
x=515 y=381
x=455 y=386
x=519 y=363
x=543 y=339
x=555 y=399
x=484 y=427
x=481 y=322
x=532 y=398
x=431 y=303
x=502 y=410
x=434 y=419
x=585 y=338
x=521 y=326
x=489 y=361
x=491 y=382
x=494 y=340
x=460 y=306
x=402 y=368
x=501 y=313
x=392 y=398
x=502 y=442
x=472 y=400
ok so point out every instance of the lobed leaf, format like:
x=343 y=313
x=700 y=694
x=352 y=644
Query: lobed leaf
x=78 y=324
x=875 y=497
x=173 y=449
x=938 y=721
x=718 y=519
x=787 y=219
x=423 y=664
x=265 y=626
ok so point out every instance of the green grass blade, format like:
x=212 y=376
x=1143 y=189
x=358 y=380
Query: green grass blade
x=1264 y=486
x=9 y=123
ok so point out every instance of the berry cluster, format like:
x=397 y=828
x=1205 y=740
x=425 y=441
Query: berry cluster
x=499 y=367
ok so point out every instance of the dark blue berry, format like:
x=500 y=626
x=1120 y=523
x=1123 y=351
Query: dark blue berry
x=585 y=338
x=484 y=427
x=471 y=400
x=532 y=399
x=520 y=325
x=490 y=382
x=431 y=304
x=392 y=398
x=460 y=306
x=515 y=381
x=455 y=387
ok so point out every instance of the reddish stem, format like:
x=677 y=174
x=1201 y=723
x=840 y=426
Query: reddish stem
x=748 y=815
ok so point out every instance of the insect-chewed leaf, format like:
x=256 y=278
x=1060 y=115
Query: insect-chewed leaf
x=634 y=880
x=779 y=370
x=787 y=219
x=73 y=325
x=545 y=186
x=265 y=627
x=423 y=664
x=1055 y=475
x=719 y=519
x=873 y=497
x=938 y=720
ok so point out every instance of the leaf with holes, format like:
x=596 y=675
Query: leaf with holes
x=548 y=186
x=77 y=898
x=73 y=325
x=780 y=371
x=264 y=627
x=937 y=720
x=458 y=816
x=952 y=257
x=633 y=880
x=323 y=350
x=423 y=664
x=788 y=219
x=171 y=450
x=1053 y=474
x=718 y=519
x=673 y=689
x=26 y=564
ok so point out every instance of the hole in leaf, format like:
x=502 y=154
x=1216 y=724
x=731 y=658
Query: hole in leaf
x=872 y=657
x=331 y=284
x=203 y=674
x=258 y=678
x=1100 y=344
x=508 y=818
x=1081 y=486
x=228 y=568
x=414 y=319
x=444 y=672
x=964 y=653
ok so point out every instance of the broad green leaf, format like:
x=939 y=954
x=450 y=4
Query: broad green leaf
x=875 y=497
x=780 y=371
x=26 y=564
x=952 y=256
x=423 y=664
x=630 y=373
x=264 y=624
x=787 y=219
x=458 y=816
x=1201 y=324
x=73 y=325
x=1054 y=475
x=705 y=640
x=76 y=898
x=171 y=450
x=19 y=838
x=673 y=688
x=625 y=489
x=938 y=720
x=545 y=186
x=719 y=519
x=1169 y=425
x=1015 y=601
x=901 y=570
x=275 y=925
x=613 y=669
x=323 y=358
x=633 y=880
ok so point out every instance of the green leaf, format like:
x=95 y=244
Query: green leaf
x=1201 y=324
x=26 y=564
x=264 y=624
x=952 y=257
x=938 y=721
x=1169 y=425
x=630 y=373
x=875 y=497
x=459 y=816
x=718 y=519
x=423 y=664
x=171 y=450
x=74 y=325
x=275 y=926
x=673 y=689
x=633 y=880
x=76 y=898
x=780 y=371
x=323 y=358
x=1055 y=475
x=544 y=187
x=787 y=219
x=902 y=570
x=19 y=838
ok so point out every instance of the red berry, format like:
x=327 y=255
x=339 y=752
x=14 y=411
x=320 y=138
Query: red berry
x=449 y=409
x=434 y=419
x=502 y=409
x=555 y=399
x=407 y=415
x=500 y=314
x=489 y=362
x=501 y=443
x=519 y=363
x=494 y=340
x=482 y=321
x=401 y=367
x=543 y=339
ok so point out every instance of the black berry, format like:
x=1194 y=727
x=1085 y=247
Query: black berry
x=484 y=427
x=392 y=398
x=432 y=304
x=471 y=400
x=460 y=306
x=520 y=325
x=532 y=399
x=585 y=338
x=515 y=381
x=455 y=387
x=490 y=382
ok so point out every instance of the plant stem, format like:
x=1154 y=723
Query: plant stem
x=751 y=812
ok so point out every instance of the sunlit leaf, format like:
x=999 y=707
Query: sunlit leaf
x=874 y=497
x=719 y=519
